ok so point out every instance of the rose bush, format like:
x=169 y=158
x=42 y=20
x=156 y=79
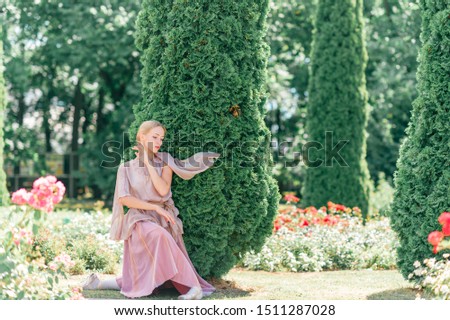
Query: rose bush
x=24 y=274
x=440 y=240
x=433 y=276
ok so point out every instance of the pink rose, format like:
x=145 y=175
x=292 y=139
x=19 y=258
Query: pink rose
x=51 y=179
x=20 y=197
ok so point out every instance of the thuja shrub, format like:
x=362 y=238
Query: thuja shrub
x=337 y=108
x=204 y=76
x=422 y=179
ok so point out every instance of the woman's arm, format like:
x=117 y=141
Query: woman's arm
x=161 y=183
x=133 y=202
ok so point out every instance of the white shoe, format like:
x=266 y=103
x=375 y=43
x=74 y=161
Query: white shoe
x=195 y=293
x=92 y=282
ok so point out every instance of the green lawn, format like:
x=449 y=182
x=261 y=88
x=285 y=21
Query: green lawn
x=242 y=284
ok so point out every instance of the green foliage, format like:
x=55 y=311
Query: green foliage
x=94 y=255
x=4 y=195
x=86 y=251
x=381 y=197
x=49 y=246
x=84 y=236
x=422 y=179
x=201 y=59
x=290 y=25
x=393 y=29
x=89 y=45
x=338 y=104
x=79 y=267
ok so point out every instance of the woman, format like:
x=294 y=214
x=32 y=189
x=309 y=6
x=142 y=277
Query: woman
x=154 y=250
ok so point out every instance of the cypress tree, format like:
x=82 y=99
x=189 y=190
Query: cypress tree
x=4 y=195
x=337 y=108
x=422 y=179
x=204 y=72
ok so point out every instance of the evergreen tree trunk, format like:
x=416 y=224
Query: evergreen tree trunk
x=337 y=109
x=4 y=195
x=204 y=73
x=422 y=179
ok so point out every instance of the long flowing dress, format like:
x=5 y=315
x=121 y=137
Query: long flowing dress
x=154 y=250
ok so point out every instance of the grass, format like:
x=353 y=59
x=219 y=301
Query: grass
x=241 y=284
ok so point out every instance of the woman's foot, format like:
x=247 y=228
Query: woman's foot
x=195 y=293
x=92 y=282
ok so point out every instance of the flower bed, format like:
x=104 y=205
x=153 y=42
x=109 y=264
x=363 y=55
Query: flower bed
x=328 y=238
x=24 y=273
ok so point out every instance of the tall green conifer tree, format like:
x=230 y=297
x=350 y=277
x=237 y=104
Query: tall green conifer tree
x=204 y=73
x=337 y=108
x=422 y=180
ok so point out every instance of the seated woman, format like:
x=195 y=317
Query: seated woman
x=154 y=250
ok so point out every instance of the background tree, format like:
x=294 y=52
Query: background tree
x=393 y=28
x=204 y=76
x=422 y=180
x=82 y=71
x=95 y=43
x=338 y=104
x=290 y=24
x=4 y=195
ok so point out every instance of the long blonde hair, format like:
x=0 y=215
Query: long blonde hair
x=145 y=127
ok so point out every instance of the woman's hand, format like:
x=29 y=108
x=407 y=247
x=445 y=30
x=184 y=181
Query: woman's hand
x=140 y=150
x=165 y=214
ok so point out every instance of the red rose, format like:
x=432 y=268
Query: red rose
x=446 y=229
x=444 y=218
x=304 y=223
x=435 y=238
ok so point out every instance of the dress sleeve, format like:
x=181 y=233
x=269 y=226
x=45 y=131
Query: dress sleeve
x=122 y=183
x=188 y=168
x=122 y=189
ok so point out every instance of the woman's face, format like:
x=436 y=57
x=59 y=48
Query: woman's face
x=153 y=139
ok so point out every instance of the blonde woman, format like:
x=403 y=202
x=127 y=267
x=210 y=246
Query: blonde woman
x=154 y=250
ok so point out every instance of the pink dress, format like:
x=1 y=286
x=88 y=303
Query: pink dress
x=154 y=250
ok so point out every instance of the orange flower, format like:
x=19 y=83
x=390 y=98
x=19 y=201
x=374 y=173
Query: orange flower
x=291 y=198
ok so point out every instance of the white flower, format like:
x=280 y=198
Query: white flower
x=444 y=289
